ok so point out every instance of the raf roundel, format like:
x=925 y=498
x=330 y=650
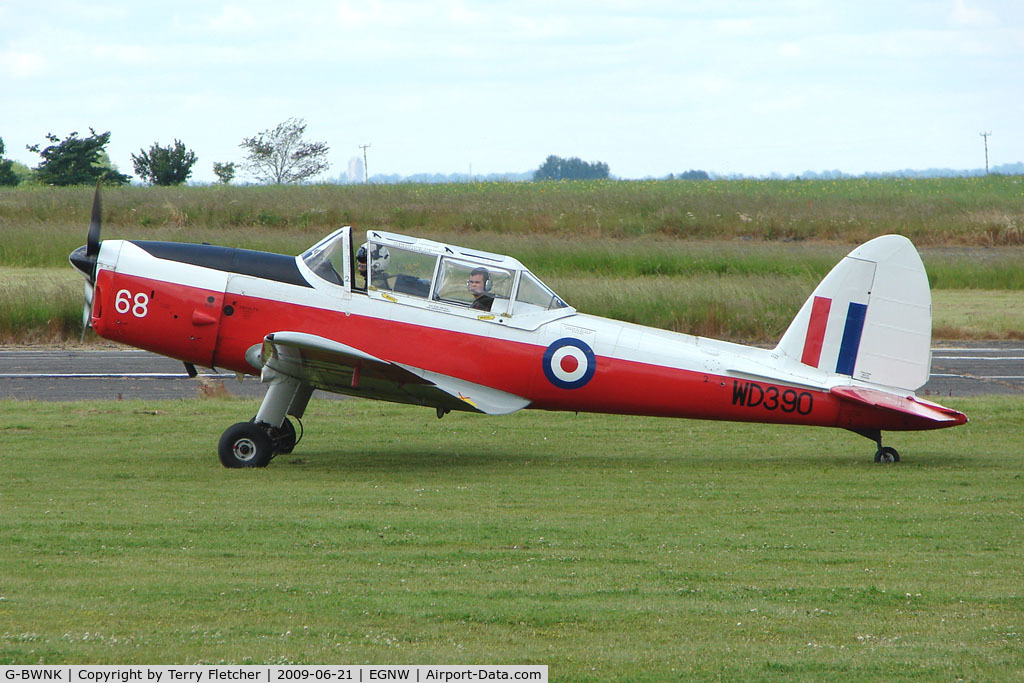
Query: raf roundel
x=569 y=363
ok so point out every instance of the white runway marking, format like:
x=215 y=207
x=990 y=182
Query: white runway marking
x=977 y=357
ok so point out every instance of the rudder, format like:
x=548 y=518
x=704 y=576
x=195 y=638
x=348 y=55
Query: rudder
x=870 y=318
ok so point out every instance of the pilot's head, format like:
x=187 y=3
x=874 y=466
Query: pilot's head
x=478 y=281
x=361 y=260
x=381 y=258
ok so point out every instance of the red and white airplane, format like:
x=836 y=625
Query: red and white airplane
x=421 y=331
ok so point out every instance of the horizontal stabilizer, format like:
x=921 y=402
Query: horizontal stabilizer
x=916 y=413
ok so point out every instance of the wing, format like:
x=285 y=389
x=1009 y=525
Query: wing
x=339 y=368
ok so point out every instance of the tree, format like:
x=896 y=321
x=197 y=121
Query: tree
x=169 y=165
x=557 y=168
x=225 y=172
x=692 y=174
x=7 y=174
x=76 y=161
x=281 y=156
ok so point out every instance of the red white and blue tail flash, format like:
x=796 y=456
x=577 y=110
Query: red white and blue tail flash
x=869 y=319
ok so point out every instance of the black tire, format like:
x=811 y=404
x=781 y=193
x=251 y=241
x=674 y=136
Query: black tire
x=245 y=445
x=886 y=455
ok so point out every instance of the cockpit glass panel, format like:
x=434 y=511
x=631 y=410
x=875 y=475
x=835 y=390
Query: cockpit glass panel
x=534 y=293
x=470 y=284
x=326 y=258
x=401 y=270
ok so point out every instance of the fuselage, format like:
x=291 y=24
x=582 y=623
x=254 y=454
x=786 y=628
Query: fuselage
x=211 y=306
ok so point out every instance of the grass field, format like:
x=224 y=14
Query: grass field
x=675 y=254
x=44 y=305
x=606 y=547
x=980 y=211
x=41 y=225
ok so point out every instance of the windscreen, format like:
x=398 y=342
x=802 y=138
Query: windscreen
x=533 y=292
x=326 y=258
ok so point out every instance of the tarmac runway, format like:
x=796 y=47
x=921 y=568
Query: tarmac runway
x=963 y=369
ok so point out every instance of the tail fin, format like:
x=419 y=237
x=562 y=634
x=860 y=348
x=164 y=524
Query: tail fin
x=870 y=318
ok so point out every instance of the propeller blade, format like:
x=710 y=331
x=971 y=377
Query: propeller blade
x=87 y=310
x=84 y=258
x=92 y=246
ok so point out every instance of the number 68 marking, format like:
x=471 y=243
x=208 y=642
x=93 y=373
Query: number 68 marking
x=137 y=304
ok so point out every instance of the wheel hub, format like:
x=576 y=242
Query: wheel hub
x=244 y=449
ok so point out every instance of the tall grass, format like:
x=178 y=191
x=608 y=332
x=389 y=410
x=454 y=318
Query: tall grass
x=962 y=211
x=40 y=305
x=746 y=307
x=710 y=245
x=548 y=255
x=45 y=304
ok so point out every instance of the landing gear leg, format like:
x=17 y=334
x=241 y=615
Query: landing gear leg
x=884 y=454
x=255 y=443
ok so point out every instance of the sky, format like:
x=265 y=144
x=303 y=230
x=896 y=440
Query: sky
x=749 y=87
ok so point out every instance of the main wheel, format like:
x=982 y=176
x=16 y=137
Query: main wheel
x=245 y=445
x=887 y=454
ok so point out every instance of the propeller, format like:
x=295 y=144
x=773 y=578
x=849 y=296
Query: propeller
x=87 y=309
x=92 y=244
x=84 y=258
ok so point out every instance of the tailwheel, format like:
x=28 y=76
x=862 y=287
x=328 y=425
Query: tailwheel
x=245 y=444
x=886 y=455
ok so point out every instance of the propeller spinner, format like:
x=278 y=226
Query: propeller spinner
x=84 y=258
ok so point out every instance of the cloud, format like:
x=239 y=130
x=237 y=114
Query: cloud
x=361 y=16
x=233 y=18
x=965 y=16
x=790 y=50
x=135 y=55
x=21 y=65
x=735 y=28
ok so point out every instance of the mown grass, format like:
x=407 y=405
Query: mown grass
x=606 y=547
x=973 y=314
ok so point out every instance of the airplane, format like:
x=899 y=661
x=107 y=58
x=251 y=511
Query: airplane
x=452 y=328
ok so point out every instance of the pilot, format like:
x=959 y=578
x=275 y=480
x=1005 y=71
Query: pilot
x=381 y=258
x=479 y=284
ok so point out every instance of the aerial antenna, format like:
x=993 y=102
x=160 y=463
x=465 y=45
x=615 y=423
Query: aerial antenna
x=985 y=135
x=366 y=169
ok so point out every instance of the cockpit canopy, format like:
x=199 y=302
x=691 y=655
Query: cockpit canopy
x=435 y=275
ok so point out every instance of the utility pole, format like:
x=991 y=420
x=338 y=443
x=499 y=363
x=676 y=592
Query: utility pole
x=985 y=135
x=366 y=169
